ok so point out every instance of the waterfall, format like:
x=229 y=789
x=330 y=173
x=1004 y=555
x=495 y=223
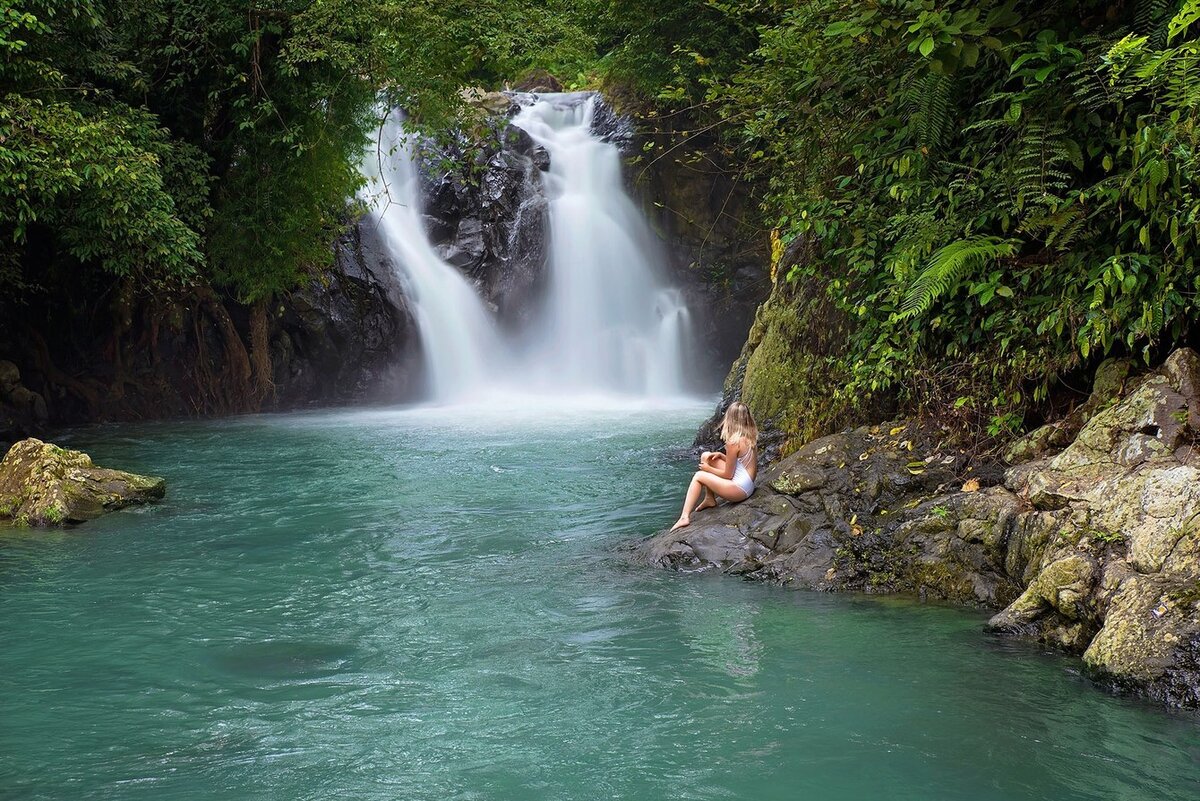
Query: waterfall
x=610 y=322
x=462 y=348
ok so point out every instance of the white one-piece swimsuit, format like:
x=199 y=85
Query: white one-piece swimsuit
x=741 y=476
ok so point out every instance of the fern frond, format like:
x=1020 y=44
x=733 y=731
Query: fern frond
x=927 y=102
x=1151 y=19
x=1043 y=163
x=948 y=266
x=1059 y=229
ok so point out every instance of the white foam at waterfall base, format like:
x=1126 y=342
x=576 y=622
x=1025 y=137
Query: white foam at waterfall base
x=611 y=329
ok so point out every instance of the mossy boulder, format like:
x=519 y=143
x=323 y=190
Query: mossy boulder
x=44 y=485
x=789 y=370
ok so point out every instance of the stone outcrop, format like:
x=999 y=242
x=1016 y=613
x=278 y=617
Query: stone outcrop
x=45 y=485
x=705 y=216
x=344 y=335
x=487 y=216
x=349 y=334
x=1090 y=542
x=22 y=411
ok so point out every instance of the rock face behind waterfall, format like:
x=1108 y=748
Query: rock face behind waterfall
x=45 y=485
x=1093 y=547
x=344 y=335
x=487 y=216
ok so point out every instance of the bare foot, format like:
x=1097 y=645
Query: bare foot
x=707 y=503
x=684 y=520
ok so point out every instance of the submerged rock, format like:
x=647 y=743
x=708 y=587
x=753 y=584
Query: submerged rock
x=1094 y=548
x=45 y=485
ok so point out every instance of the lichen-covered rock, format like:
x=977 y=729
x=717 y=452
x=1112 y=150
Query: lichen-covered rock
x=1094 y=549
x=844 y=512
x=44 y=485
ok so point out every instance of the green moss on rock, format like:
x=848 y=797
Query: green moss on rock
x=44 y=485
x=791 y=371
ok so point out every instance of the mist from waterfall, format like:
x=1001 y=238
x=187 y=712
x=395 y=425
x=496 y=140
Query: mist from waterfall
x=609 y=323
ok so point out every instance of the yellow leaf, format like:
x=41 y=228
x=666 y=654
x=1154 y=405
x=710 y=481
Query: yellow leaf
x=896 y=431
x=853 y=519
x=972 y=485
x=862 y=457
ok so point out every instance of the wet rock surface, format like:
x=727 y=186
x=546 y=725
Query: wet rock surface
x=347 y=335
x=487 y=216
x=1092 y=546
x=44 y=485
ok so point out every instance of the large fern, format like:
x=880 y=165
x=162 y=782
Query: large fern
x=1151 y=20
x=948 y=266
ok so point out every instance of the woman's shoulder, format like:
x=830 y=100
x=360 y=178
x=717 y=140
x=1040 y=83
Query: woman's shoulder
x=739 y=442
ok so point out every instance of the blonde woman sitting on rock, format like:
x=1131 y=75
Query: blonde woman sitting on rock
x=729 y=475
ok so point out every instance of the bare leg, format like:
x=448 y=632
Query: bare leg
x=701 y=481
x=716 y=460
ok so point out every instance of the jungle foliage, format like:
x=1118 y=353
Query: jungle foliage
x=178 y=141
x=999 y=192
x=991 y=194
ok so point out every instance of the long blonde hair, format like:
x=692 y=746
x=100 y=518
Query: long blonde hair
x=739 y=424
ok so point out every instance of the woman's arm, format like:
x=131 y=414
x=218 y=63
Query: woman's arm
x=724 y=468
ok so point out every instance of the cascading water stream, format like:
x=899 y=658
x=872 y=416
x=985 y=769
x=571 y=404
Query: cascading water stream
x=462 y=348
x=610 y=322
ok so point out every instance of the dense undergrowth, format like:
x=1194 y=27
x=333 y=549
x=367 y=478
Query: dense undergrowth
x=993 y=195
x=178 y=141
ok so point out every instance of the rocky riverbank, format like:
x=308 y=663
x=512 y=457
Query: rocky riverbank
x=1087 y=539
x=96 y=352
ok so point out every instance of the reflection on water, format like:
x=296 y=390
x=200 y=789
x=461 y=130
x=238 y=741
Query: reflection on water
x=355 y=605
x=721 y=634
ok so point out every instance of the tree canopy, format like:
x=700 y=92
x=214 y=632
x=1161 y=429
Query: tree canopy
x=173 y=139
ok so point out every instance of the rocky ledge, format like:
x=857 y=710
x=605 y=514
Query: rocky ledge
x=1089 y=539
x=45 y=485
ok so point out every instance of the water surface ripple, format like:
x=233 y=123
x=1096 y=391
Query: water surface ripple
x=427 y=604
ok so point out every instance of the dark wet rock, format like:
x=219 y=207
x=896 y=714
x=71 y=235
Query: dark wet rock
x=1094 y=549
x=22 y=411
x=613 y=127
x=538 y=80
x=348 y=334
x=706 y=219
x=488 y=217
x=45 y=485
